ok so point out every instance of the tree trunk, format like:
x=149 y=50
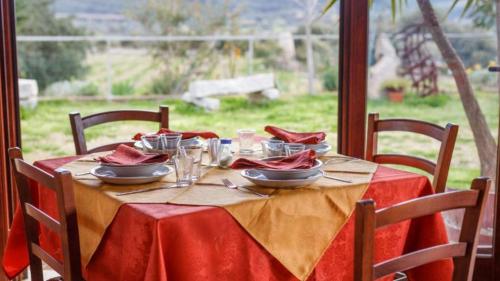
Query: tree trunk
x=497 y=21
x=485 y=142
x=310 y=58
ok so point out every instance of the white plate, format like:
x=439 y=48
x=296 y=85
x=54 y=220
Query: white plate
x=259 y=179
x=289 y=174
x=106 y=175
x=137 y=170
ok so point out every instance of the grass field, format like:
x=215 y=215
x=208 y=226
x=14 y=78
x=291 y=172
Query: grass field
x=46 y=130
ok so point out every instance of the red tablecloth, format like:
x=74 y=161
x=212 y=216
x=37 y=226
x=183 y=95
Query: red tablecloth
x=172 y=242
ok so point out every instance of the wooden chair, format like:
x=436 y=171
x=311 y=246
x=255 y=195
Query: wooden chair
x=79 y=124
x=463 y=252
x=447 y=136
x=66 y=227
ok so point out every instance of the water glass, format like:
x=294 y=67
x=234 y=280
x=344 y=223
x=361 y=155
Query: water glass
x=272 y=148
x=246 y=137
x=152 y=143
x=171 y=142
x=213 y=146
x=183 y=170
x=292 y=148
x=195 y=152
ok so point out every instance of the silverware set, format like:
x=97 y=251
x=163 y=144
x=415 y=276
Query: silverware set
x=225 y=182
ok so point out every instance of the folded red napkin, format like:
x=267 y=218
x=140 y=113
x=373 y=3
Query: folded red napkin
x=292 y=137
x=185 y=135
x=126 y=155
x=302 y=160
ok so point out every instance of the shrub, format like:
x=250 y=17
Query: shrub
x=430 y=101
x=482 y=79
x=331 y=79
x=89 y=89
x=124 y=88
x=270 y=53
x=163 y=85
x=48 y=62
x=399 y=84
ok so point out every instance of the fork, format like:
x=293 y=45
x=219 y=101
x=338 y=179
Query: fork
x=231 y=185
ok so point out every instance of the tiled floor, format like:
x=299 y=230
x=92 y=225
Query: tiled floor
x=47 y=273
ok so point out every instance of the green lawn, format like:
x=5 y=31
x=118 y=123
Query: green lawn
x=46 y=130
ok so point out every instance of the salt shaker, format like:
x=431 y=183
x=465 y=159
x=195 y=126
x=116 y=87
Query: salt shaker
x=225 y=157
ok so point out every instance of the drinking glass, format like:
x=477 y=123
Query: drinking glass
x=213 y=146
x=292 y=148
x=246 y=137
x=183 y=165
x=171 y=143
x=272 y=148
x=195 y=152
x=152 y=143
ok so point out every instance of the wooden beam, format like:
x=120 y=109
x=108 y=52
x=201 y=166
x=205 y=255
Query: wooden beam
x=353 y=76
x=493 y=263
x=496 y=216
x=9 y=115
x=483 y=270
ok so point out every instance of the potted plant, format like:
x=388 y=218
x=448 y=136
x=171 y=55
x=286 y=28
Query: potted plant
x=395 y=89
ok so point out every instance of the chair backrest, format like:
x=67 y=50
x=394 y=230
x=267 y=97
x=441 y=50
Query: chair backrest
x=79 y=124
x=447 y=136
x=66 y=227
x=463 y=252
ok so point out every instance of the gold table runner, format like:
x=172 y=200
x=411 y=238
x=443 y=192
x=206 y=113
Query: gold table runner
x=294 y=225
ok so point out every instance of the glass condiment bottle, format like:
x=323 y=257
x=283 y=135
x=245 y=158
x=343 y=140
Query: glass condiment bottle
x=225 y=156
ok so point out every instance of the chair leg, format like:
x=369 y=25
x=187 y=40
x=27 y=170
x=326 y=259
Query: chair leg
x=36 y=268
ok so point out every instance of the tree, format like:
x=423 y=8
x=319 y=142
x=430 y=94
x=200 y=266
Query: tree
x=486 y=14
x=184 y=60
x=497 y=22
x=310 y=9
x=47 y=62
x=484 y=140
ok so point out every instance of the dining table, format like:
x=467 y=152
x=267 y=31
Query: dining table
x=213 y=233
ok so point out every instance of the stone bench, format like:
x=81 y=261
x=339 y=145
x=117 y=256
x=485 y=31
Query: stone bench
x=259 y=87
x=28 y=93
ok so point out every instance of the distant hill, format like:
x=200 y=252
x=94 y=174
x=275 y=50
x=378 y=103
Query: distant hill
x=264 y=7
x=91 y=6
x=108 y=17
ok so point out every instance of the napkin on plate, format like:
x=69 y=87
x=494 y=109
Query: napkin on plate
x=126 y=155
x=292 y=137
x=185 y=135
x=302 y=160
